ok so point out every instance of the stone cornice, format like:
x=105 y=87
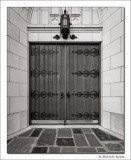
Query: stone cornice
x=73 y=27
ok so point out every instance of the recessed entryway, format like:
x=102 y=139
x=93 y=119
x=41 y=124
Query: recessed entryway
x=65 y=83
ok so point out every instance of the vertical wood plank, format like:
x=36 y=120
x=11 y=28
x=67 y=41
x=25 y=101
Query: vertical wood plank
x=68 y=107
x=46 y=84
x=38 y=80
x=79 y=81
x=58 y=62
x=32 y=67
x=94 y=81
x=50 y=79
x=42 y=87
x=62 y=81
x=71 y=78
x=54 y=105
x=83 y=79
x=75 y=85
x=87 y=82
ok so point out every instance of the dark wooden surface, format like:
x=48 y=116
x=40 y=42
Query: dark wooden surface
x=76 y=83
x=56 y=83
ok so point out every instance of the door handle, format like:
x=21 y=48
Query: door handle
x=68 y=95
x=62 y=95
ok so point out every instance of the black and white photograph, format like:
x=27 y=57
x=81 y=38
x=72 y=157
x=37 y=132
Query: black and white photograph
x=65 y=77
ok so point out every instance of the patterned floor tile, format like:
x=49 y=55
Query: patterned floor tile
x=103 y=136
x=87 y=130
x=86 y=150
x=66 y=132
x=65 y=142
x=40 y=150
x=85 y=140
x=77 y=131
x=68 y=150
x=54 y=150
x=101 y=150
x=114 y=147
x=26 y=134
x=92 y=140
x=80 y=140
x=47 y=137
x=36 y=132
x=20 y=145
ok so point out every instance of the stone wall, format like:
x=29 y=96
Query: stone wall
x=17 y=62
x=113 y=70
x=78 y=15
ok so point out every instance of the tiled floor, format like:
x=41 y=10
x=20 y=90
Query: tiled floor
x=66 y=140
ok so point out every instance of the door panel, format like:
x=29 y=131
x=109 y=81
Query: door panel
x=47 y=82
x=83 y=82
x=64 y=83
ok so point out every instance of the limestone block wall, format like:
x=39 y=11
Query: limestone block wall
x=17 y=66
x=113 y=70
x=78 y=15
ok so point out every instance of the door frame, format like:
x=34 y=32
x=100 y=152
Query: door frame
x=67 y=122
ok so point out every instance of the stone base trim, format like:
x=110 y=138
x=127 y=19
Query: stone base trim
x=112 y=133
x=18 y=133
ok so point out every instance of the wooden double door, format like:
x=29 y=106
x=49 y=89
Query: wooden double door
x=64 y=83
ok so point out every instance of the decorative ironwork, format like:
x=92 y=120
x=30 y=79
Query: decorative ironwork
x=73 y=37
x=86 y=94
x=86 y=115
x=93 y=52
x=36 y=94
x=94 y=94
x=37 y=73
x=43 y=115
x=36 y=52
x=57 y=37
x=94 y=73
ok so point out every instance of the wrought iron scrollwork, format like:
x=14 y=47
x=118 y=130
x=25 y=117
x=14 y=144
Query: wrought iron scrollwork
x=37 y=73
x=94 y=94
x=94 y=73
x=36 y=94
x=36 y=52
x=80 y=94
x=80 y=73
x=43 y=115
x=93 y=52
x=86 y=115
x=86 y=94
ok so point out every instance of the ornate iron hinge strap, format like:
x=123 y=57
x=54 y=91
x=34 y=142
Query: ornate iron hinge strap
x=93 y=52
x=86 y=115
x=36 y=52
x=86 y=94
x=43 y=115
x=37 y=73
x=94 y=73
x=36 y=94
